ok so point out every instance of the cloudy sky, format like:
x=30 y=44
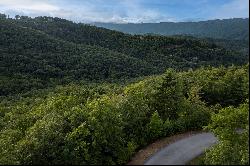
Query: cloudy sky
x=123 y=11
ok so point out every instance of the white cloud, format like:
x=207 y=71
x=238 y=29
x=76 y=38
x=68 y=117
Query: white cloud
x=86 y=11
x=135 y=12
x=121 y=11
x=28 y=6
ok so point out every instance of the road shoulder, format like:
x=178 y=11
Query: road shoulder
x=142 y=155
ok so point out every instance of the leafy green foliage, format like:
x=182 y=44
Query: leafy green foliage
x=169 y=96
x=237 y=45
x=232 y=34
x=225 y=86
x=107 y=124
x=155 y=126
x=231 y=126
x=44 y=52
x=88 y=121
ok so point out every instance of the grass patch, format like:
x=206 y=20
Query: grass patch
x=198 y=160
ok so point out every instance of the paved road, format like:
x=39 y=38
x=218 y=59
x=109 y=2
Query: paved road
x=183 y=151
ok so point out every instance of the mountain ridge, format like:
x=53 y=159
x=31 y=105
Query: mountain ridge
x=220 y=28
x=46 y=51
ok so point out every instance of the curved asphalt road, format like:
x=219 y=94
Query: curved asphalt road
x=183 y=151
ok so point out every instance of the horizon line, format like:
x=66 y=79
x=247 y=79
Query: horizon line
x=94 y=22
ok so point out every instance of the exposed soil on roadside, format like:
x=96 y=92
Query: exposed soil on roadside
x=142 y=155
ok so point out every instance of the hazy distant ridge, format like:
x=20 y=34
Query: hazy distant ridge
x=236 y=28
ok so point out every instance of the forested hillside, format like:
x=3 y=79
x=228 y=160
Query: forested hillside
x=77 y=94
x=44 y=51
x=107 y=123
x=233 y=29
x=236 y=45
x=80 y=33
x=231 y=34
x=31 y=58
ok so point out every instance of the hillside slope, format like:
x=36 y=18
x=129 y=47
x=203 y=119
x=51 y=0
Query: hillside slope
x=107 y=124
x=234 y=29
x=45 y=51
x=232 y=34
x=30 y=58
x=162 y=51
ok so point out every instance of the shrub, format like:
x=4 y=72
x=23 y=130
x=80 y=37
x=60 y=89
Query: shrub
x=155 y=128
x=233 y=147
x=169 y=128
x=168 y=96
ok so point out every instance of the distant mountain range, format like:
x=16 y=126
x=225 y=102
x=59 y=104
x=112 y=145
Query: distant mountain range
x=232 y=29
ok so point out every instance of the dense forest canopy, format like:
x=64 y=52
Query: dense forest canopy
x=43 y=51
x=229 y=33
x=108 y=123
x=76 y=94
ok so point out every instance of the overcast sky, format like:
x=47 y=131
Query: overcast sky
x=128 y=10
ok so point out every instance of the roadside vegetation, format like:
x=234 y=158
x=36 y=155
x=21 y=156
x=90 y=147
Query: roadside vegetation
x=108 y=123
